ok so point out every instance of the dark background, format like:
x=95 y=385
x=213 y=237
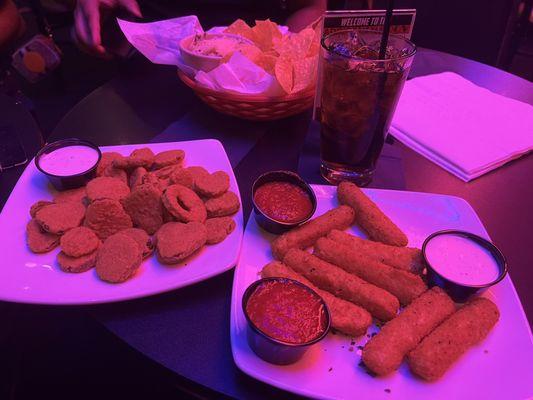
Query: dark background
x=62 y=353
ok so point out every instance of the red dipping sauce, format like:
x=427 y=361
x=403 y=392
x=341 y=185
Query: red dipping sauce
x=283 y=201
x=287 y=311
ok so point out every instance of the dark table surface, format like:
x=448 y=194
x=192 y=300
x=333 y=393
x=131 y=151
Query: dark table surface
x=187 y=331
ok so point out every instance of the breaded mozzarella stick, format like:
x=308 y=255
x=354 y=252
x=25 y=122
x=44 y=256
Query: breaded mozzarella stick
x=451 y=339
x=380 y=303
x=306 y=235
x=402 y=284
x=385 y=351
x=374 y=222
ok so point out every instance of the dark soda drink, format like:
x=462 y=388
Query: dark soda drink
x=358 y=97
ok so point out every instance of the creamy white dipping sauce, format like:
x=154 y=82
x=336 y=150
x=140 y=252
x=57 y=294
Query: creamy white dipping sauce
x=461 y=260
x=70 y=160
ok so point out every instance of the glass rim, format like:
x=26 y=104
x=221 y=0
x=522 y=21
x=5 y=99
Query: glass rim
x=403 y=57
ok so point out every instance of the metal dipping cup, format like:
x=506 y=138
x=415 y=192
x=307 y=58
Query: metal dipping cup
x=270 y=224
x=460 y=292
x=273 y=350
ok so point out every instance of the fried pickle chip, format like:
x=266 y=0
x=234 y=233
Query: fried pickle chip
x=136 y=177
x=169 y=157
x=184 y=204
x=79 y=241
x=224 y=205
x=107 y=217
x=176 y=241
x=38 y=205
x=105 y=187
x=182 y=176
x=166 y=172
x=118 y=258
x=113 y=172
x=106 y=160
x=143 y=157
x=58 y=218
x=38 y=240
x=145 y=208
x=76 y=264
x=211 y=185
x=142 y=239
x=151 y=179
x=78 y=195
x=218 y=229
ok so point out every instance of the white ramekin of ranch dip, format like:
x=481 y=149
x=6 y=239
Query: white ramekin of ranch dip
x=462 y=263
x=68 y=163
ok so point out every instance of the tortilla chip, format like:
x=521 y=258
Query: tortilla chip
x=264 y=33
x=267 y=61
x=284 y=73
x=305 y=72
x=241 y=28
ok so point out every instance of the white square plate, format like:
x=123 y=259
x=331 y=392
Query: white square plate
x=499 y=368
x=36 y=278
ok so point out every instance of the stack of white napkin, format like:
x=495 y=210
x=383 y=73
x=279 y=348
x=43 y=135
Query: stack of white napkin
x=466 y=129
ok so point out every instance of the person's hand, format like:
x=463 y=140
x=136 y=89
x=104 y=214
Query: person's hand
x=87 y=16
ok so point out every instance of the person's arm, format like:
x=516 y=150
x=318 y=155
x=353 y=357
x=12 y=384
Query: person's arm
x=304 y=12
x=87 y=21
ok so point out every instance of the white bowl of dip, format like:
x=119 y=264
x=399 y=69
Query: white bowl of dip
x=68 y=163
x=462 y=263
x=205 y=51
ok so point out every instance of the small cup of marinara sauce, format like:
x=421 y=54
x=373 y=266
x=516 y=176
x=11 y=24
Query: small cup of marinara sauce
x=282 y=200
x=284 y=318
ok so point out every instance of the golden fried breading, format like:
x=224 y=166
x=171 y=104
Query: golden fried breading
x=169 y=157
x=142 y=239
x=145 y=208
x=211 y=185
x=374 y=222
x=378 y=302
x=175 y=241
x=143 y=157
x=38 y=205
x=136 y=177
x=106 y=160
x=450 y=340
x=218 y=229
x=151 y=179
x=166 y=172
x=58 y=218
x=76 y=264
x=38 y=240
x=78 y=195
x=184 y=204
x=79 y=241
x=105 y=187
x=117 y=173
x=118 y=258
x=384 y=352
x=224 y=205
x=307 y=234
x=346 y=317
x=404 y=285
x=107 y=217
x=182 y=176
x=406 y=258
